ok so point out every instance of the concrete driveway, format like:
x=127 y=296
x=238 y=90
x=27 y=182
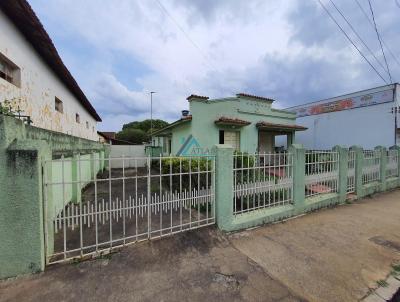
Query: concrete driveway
x=330 y=255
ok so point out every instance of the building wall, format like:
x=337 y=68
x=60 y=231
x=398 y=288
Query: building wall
x=365 y=126
x=39 y=87
x=368 y=127
x=201 y=134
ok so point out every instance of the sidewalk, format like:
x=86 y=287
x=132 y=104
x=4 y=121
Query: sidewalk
x=330 y=255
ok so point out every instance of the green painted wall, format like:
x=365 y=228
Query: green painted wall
x=23 y=151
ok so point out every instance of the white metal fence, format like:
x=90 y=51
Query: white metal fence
x=121 y=206
x=321 y=172
x=371 y=167
x=261 y=181
x=351 y=172
x=392 y=164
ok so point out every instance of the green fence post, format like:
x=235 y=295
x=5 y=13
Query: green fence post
x=223 y=186
x=76 y=185
x=48 y=201
x=383 y=164
x=342 y=169
x=358 y=167
x=93 y=165
x=299 y=191
x=101 y=161
x=398 y=163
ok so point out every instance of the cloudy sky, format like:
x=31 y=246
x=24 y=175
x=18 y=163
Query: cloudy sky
x=288 y=50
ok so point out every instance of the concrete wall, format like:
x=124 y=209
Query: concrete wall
x=39 y=87
x=24 y=150
x=128 y=151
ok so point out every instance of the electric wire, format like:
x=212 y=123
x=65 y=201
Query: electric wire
x=351 y=41
x=164 y=9
x=358 y=36
x=370 y=22
x=379 y=39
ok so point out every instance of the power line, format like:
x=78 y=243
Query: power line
x=379 y=39
x=351 y=41
x=370 y=22
x=163 y=8
x=357 y=34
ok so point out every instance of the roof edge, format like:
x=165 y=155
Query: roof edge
x=21 y=14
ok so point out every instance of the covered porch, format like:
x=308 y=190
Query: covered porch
x=276 y=137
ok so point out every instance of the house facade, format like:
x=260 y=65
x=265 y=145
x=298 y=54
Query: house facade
x=366 y=118
x=246 y=122
x=33 y=79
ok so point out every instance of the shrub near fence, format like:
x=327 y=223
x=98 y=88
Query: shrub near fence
x=185 y=173
x=261 y=180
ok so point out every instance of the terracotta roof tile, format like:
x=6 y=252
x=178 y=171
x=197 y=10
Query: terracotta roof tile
x=254 y=97
x=193 y=96
x=267 y=125
x=231 y=121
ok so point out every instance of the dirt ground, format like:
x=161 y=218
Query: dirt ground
x=331 y=255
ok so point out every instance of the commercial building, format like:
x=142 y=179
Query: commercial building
x=367 y=118
x=247 y=122
x=34 y=81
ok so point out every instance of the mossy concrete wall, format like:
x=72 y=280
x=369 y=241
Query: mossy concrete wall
x=23 y=152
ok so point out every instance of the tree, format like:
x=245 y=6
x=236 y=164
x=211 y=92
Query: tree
x=136 y=136
x=146 y=125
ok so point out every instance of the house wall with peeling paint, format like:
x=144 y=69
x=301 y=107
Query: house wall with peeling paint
x=39 y=87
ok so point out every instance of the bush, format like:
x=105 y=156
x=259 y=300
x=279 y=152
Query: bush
x=244 y=160
x=180 y=167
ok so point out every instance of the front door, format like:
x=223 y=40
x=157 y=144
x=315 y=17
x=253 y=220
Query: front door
x=265 y=142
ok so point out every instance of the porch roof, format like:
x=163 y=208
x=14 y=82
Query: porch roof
x=223 y=120
x=280 y=127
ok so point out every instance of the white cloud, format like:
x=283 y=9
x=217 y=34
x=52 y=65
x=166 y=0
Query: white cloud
x=287 y=50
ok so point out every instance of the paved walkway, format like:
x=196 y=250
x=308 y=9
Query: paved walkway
x=330 y=255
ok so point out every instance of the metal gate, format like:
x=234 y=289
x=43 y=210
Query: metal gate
x=93 y=204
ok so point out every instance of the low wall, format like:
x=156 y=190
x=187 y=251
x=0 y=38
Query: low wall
x=23 y=151
x=224 y=182
x=64 y=172
x=129 y=151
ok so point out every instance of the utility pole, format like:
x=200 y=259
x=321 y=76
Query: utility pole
x=151 y=116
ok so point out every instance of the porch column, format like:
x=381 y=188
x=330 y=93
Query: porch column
x=290 y=139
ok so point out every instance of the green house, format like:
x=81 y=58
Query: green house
x=246 y=122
